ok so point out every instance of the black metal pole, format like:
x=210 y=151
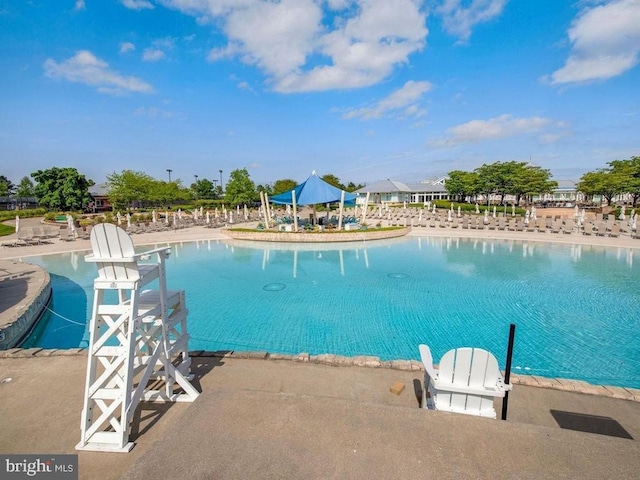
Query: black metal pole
x=507 y=369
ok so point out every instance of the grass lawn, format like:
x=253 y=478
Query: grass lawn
x=6 y=229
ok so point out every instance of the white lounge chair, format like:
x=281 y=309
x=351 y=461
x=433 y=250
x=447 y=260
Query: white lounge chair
x=467 y=381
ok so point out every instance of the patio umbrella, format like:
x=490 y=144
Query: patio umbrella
x=119 y=218
x=154 y=217
x=17 y=223
x=513 y=210
x=477 y=209
x=459 y=214
x=486 y=216
x=166 y=217
x=621 y=217
x=71 y=225
x=494 y=211
x=128 y=220
x=208 y=218
x=246 y=212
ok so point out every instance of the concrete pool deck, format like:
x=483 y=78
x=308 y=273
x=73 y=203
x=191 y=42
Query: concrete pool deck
x=288 y=419
x=268 y=419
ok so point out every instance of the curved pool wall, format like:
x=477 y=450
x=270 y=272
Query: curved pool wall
x=574 y=306
x=27 y=315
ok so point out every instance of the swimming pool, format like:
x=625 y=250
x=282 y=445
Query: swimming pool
x=575 y=307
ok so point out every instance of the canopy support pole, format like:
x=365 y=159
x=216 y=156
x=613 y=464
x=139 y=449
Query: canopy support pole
x=268 y=210
x=341 y=210
x=364 y=210
x=295 y=211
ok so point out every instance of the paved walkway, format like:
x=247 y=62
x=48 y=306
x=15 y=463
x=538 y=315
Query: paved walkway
x=282 y=419
x=268 y=419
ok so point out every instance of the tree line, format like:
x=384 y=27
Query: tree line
x=517 y=179
x=66 y=189
x=523 y=181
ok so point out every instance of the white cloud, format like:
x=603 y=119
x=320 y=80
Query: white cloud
x=403 y=102
x=152 y=112
x=499 y=127
x=245 y=86
x=126 y=47
x=358 y=43
x=459 y=19
x=605 y=41
x=84 y=67
x=137 y=4
x=152 y=55
x=79 y=5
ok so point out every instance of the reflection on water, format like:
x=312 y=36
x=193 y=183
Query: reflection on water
x=575 y=306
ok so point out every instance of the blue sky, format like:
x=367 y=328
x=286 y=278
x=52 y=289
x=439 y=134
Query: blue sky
x=362 y=89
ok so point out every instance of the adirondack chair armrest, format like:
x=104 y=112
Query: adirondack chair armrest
x=427 y=361
x=94 y=259
x=146 y=255
x=495 y=391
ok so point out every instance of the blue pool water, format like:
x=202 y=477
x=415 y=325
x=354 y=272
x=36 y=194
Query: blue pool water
x=575 y=307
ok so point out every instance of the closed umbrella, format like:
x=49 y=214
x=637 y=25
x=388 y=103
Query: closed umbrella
x=17 y=223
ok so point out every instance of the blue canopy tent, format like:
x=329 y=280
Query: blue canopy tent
x=313 y=191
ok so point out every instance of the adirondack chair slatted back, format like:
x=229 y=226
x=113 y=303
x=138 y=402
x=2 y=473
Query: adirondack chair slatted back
x=116 y=248
x=473 y=367
x=469 y=368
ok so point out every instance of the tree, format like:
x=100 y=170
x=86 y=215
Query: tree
x=266 y=188
x=462 y=184
x=284 y=185
x=602 y=182
x=531 y=181
x=630 y=172
x=203 y=189
x=62 y=189
x=352 y=187
x=128 y=188
x=331 y=179
x=488 y=179
x=240 y=189
x=25 y=189
x=164 y=193
x=6 y=187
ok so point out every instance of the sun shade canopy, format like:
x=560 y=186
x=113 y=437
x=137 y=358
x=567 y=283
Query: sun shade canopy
x=312 y=191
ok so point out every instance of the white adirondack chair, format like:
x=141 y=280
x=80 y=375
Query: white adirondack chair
x=140 y=338
x=467 y=381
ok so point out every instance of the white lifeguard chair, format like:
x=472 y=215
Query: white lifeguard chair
x=138 y=337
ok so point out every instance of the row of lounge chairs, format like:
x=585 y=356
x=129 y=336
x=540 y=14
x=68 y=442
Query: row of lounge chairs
x=540 y=225
x=34 y=236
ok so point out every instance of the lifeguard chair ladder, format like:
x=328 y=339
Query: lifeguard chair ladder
x=138 y=337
